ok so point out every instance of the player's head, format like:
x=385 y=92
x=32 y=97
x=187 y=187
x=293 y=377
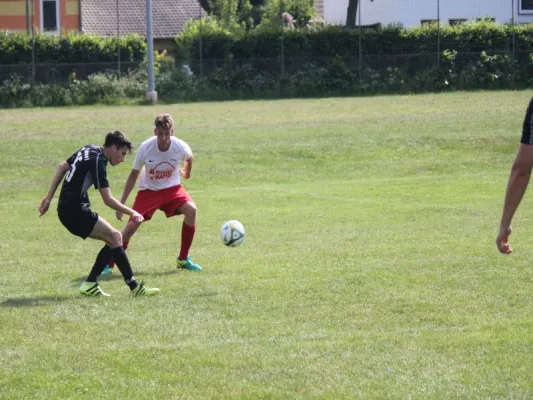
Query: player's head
x=164 y=125
x=116 y=146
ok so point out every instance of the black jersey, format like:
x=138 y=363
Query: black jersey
x=87 y=168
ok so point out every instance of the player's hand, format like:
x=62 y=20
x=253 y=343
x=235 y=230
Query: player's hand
x=184 y=173
x=119 y=215
x=43 y=208
x=136 y=217
x=502 y=241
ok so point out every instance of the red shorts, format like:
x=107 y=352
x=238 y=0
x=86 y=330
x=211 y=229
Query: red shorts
x=168 y=200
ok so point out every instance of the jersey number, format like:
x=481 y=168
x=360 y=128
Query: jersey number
x=73 y=166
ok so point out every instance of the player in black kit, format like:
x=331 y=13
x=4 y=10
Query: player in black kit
x=518 y=181
x=85 y=168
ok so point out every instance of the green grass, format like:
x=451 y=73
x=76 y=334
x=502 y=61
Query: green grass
x=369 y=269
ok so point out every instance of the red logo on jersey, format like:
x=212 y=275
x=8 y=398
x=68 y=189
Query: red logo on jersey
x=161 y=171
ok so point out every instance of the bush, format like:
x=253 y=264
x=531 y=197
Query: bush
x=331 y=41
x=102 y=88
x=61 y=50
x=316 y=62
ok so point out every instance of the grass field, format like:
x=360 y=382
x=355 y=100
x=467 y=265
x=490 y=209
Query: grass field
x=369 y=269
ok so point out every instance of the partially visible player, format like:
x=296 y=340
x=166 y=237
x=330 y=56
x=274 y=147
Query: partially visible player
x=518 y=182
x=87 y=167
x=158 y=162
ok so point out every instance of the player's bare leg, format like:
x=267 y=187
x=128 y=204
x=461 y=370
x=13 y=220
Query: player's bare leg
x=127 y=233
x=189 y=213
x=105 y=232
x=129 y=230
x=113 y=238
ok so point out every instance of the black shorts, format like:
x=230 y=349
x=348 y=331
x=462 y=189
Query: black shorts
x=78 y=219
x=527 y=129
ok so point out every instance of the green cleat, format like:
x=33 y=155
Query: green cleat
x=92 y=289
x=189 y=264
x=141 y=290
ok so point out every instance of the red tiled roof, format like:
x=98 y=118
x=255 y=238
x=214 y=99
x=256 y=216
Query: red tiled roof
x=168 y=16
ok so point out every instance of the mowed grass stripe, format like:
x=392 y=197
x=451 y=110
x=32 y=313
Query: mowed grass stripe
x=368 y=271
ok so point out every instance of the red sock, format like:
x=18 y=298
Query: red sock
x=112 y=262
x=187 y=235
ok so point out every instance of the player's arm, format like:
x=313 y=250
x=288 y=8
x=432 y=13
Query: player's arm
x=130 y=184
x=61 y=170
x=116 y=205
x=516 y=187
x=187 y=167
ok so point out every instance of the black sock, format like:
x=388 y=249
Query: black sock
x=123 y=263
x=101 y=261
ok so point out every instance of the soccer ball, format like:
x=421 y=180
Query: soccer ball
x=232 y=233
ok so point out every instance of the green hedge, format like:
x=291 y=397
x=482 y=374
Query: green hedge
x=70 y=48
x=334 y=41
x=316 y=63
x=333 y=78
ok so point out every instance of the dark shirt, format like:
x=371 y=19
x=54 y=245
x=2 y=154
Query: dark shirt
x=87 y=168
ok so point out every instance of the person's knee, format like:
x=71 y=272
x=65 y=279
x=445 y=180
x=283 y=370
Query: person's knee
x=190 y=210
x=115 y=238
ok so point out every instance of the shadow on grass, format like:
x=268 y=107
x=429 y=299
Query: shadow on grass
x=33 y=301
x=116 y=275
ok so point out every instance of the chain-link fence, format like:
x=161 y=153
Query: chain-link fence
x=376 y=14
x=371 y=14
x=50 y=72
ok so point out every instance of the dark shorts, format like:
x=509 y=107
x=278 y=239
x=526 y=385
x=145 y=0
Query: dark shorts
x=79 y=220
x=527 y=129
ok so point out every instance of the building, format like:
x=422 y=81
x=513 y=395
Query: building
x=415 y=12
x=44 y=15
x=101 y=17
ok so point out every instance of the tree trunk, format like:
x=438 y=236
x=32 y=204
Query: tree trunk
x=351 y=14
x=206 y=6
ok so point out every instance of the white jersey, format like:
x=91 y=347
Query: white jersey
x=161 y=168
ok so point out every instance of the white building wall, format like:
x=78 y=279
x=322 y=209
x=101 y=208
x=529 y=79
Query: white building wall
x=411 y=12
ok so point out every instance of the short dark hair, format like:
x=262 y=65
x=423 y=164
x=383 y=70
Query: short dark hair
x=118 y=139
x=164 y=121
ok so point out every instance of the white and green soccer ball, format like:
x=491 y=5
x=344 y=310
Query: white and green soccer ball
x=232 y=233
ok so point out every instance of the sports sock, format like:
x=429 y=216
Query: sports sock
x=123 y=263
x=99 y=264
x=187 y=235
x=111 y=262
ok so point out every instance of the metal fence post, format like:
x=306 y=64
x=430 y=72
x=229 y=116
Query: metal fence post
x=201 y=42
x=118 y=40
x=438 y=33
x=513 y=49
x=32 y=42
x=151 y=94
x=282 y=49
x=360 y=63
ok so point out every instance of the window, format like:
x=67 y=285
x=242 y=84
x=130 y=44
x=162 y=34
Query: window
x=526 y=6
x=457 y=21
x=50 y=16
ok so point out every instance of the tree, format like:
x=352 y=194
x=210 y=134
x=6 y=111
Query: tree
x=228 y=12
x=351 y=14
